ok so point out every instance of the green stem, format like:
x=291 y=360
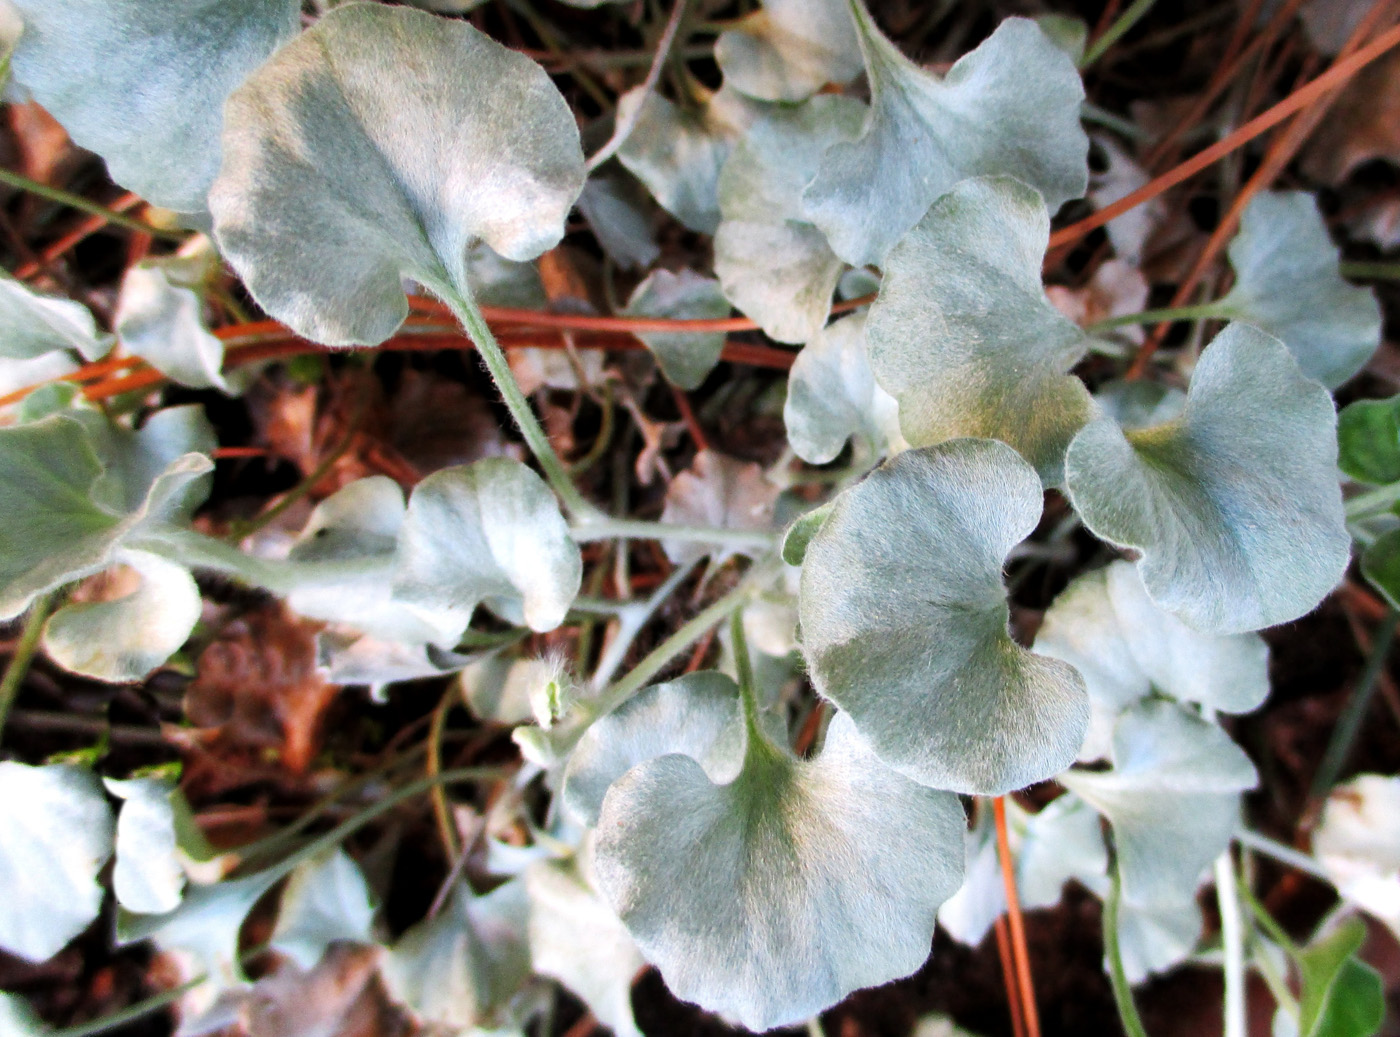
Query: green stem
x=1115 y=32
x=130 y=1013
x=1232 y=942
x=632 y=617
x=1371 y=271
x=1118 y=976
x=635 y=529
x=743 y=667
x=1267 y=922
x=1201 y=311
x=77 y=201
x=1349 y=724
x=25 y=648
x=1281 y=853
x=466 y=311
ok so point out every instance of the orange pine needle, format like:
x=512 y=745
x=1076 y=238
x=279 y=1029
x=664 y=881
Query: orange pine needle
x=1008 y=975
x=1020 y=953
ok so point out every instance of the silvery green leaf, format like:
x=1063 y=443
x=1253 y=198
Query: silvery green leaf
x=1368 y=441
x=963 y=336
x=721 y=492
x=617 y=209
x=677 y=153
x=1358 y=845
x=143 y=82
x=1140 y=404
x=67 y=515
x=134 y=460
x=342 y=565
x=576 y=939
x=697 y=715
x=204 y=929
x=774 y=265
x=32 y=325
x=160 y=318
x=685 y=358
x=833 y=396
x=46 y=398
x=125 y=638
x=1128 y=232
x=1068 y=33
x=489 y=532
x=147 y=877
x=1172 y=798
x=1234 y=506
x=326 y=900
x=790 y=49
x=970 y=912
x=1154 y=939
x=447 y=138
x=17 y=1019
x=499 y=688
x=497 y=281
x=350 y=657
x=462 y=967
x=1105 y=625
x=772 y=897
x=1062 y=842
x=1287 y=282
x=1009 y=107
x=904 y=622
x=58 y=834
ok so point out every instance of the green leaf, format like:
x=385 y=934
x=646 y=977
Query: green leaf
x=325 y=900
x=33 y=325
x=576 y=939
x=143 y=82
x=1287 y=282
x=1126 y=648
x=1172 y=798
x=790 y=49
x=1380 y=564
x=444 y=138
x=57 y=835
x=678 y=152
x=1140 y=404
x=1234 y=506
x=904 y=622
x=686 y=358
x=833 y=396
x=126 y=638
x=72 y=503
x=1358 y=845
x=774 y=265
x=963 y=336
x=1368 y=441
x=489 y=532
x=771 y=897
x=697 y=715
x=620 y=214
x=148 y=877
x=1341 y=996
x=1011 y=106
x=720 y=492
x=800 y=534
x=461 y=968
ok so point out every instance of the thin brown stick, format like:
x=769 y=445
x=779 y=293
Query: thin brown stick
x=1008 y=976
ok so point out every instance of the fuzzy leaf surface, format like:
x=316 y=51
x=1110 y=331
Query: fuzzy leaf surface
x=904 y=622
x=447 y=137
x=33 y=325
x=790 y=49
x=1235 y=506
x=685 y=358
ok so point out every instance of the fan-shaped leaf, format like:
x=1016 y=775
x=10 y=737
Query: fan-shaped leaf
x=1235 y=505
x=685 y=358
x=1287 y=283
x=774 y=265
x=326 y=900
x=771 y=897
x=58 y=834
x=904 y=622
x=33 y=325
x=963 y=336
x=1011 y=106
x=487 y=532
x=790 y=49
x=447 y=138
x=143 y=82
x=148 y=877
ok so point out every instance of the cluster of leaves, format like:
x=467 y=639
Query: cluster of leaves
x=382 y=144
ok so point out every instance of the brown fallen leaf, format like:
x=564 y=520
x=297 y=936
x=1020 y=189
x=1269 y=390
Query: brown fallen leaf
x=1363 y=124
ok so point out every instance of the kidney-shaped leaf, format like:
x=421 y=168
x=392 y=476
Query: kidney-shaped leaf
x=1235 y=506
x=685 y=358
x=32 y=325
x=143 y=82
x=57 y=835
x=772 y=897
x=487 y=532
x=383 y=142
x=1011 y=106
x=774 y=265
x=697 y=715
x=963 y=336
x=1287 y=282
x=790 y=49
x=904 y=622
